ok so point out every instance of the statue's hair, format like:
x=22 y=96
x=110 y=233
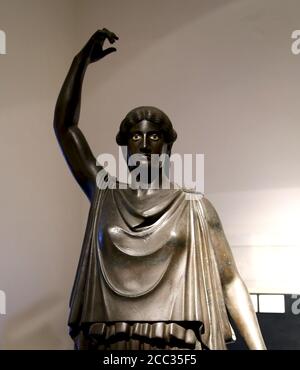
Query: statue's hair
x=151 y=114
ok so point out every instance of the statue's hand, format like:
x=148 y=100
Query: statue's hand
x=93 y=50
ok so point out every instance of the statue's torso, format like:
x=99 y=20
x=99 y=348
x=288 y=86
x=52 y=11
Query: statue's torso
x=143 y=247
x=147 y=259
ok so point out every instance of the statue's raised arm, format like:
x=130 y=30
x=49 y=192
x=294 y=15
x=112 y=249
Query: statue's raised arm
x=67 y=111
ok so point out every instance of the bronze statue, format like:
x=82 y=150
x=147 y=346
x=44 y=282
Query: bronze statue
x=155 y=269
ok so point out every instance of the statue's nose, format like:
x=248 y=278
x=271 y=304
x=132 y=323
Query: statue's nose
x=145 y=145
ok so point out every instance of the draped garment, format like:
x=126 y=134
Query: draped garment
x=147 y=257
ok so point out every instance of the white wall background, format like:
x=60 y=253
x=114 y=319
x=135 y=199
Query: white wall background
x=224 y=73
x=41 y=223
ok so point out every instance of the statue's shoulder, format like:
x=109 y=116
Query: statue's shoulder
x=192 y=193
x=211 y=214
x=208 y=208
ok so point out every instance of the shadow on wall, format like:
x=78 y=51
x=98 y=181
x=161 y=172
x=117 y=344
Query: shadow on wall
x=39 y=327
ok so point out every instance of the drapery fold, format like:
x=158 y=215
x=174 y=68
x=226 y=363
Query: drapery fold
x=149 y=257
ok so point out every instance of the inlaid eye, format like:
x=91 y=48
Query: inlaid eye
x=136 y=137
x=154 y=137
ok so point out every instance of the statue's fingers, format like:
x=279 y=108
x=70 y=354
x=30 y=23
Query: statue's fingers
x=109 y=51
x=98 y=39
x=115 y=36
x=107 y=32
x=112 y=37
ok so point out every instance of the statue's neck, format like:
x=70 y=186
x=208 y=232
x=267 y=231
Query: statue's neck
x=160 y=181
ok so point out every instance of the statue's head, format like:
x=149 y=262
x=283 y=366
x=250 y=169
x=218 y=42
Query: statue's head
x=147 y=131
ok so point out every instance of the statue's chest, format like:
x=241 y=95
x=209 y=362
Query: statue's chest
x=135 y=234
x=135 y=258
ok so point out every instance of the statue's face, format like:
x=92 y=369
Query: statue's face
x=145 y=138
